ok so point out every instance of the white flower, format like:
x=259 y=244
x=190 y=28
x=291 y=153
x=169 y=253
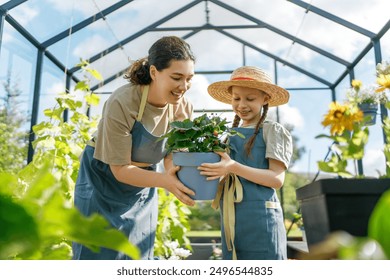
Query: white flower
x=182 y=253
x=383 y=68
x=172 y=244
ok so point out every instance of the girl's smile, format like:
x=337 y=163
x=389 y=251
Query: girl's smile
x=247 y=103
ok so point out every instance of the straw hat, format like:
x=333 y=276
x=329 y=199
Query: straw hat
x=251 y=77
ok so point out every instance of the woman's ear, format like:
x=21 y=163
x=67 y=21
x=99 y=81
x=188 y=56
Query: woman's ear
x=152 y=72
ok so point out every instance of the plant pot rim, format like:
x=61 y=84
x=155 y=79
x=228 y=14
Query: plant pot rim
x=365 y=186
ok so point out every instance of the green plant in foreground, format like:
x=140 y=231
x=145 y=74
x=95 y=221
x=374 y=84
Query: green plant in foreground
x=38 y=221
x=202 y=134
x=37 y=216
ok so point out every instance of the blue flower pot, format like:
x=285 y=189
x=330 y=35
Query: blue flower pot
x=369 y=109
x=190 y=176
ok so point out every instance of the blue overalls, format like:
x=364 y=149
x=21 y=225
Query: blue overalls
x=131 y=209
x=259 y=232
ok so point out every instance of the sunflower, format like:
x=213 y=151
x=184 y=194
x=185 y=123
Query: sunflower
x=383 y=81
x=341 y=117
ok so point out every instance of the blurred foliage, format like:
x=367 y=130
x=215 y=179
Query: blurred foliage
x=343 y=246
x=13 y=137
x=204 y=218
x=37 y=216
x=379 y=223
x=38 y=221
x=172 y=225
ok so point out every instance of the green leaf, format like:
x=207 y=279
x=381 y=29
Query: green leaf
x=74 y=226
x=92 y=99
x=379 y=223
x=82 y=85
x=19 y=232
x=95 y=74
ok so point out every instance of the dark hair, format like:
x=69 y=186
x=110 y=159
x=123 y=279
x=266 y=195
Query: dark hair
x=251 y=141
x=161 y=54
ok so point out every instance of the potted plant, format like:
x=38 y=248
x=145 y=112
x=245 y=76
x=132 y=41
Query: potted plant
x=368 y=98
x=344 y=203
x=194 y=142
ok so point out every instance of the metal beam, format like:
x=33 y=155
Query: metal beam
x=282 y=33
x=139 y=33
x=23 y=31
x=2 y=17
x=206 y=27
x=333 y=18
x=109 y=79
x=85 y=23
x=36 y=43
x=11 y=4
x=380 y=34
x=277 y=58
x=35 y=105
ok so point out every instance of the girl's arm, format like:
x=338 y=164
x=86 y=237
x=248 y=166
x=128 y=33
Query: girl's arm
x=135 y=176
x=272 y=177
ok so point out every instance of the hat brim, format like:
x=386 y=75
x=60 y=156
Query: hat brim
x=220 y=91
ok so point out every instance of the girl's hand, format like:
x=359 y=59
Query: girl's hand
x=177 y=188
x=214 y=171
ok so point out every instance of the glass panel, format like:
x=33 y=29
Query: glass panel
x=18 y=63
x=332 y=37
x=52 y=83
x=371 y=15
x=214 y=50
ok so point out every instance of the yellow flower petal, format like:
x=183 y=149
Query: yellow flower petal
x=356 y=84
x=341 y=117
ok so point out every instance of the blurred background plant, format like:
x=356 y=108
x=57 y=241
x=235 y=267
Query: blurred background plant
x=348 y=124
x=37 y=216
x=172 y=227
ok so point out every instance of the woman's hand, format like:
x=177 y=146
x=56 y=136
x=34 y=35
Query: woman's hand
x=216 y=170
x=177 y=188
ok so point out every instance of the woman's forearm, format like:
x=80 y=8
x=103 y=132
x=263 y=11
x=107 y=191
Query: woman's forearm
x=135 y=176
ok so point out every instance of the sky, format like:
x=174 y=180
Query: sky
x=214 y=51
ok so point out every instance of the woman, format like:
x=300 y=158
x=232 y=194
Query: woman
x=117 y=176
x=253 y=226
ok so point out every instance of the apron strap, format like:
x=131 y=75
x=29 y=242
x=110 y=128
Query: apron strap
x=142 y=105
x=231 y=188
x=171 y=116
x=144 y=98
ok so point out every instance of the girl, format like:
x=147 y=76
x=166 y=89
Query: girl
x=117 y=177
x=252 y=219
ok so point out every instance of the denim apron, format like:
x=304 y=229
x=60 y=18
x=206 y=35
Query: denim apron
x=257 y=227
x=130 y=209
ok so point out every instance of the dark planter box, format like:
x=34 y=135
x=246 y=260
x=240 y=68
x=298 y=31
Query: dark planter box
x=338 y=204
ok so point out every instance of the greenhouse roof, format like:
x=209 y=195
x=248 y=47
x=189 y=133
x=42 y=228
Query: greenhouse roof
x=313 y=49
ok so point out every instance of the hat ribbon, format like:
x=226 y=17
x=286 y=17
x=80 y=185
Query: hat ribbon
x=242 y=79
x=231 y=188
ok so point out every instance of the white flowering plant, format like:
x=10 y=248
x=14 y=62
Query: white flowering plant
x=374 y=94
x=174 y=252
x=359 y=95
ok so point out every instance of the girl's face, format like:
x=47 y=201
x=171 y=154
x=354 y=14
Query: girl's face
x=170 y=84
x=247 y=104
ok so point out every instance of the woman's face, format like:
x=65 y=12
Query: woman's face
x=247 y=103
x=170 y=84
